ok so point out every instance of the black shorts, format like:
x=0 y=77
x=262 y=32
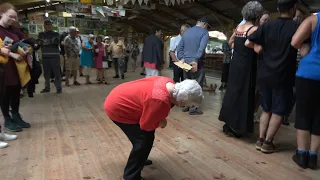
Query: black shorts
x=307 y=105
x=275 y=100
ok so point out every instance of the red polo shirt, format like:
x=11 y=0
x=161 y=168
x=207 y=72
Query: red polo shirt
x=145 y=101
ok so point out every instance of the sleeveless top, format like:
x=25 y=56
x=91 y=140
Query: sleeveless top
x=309 y=66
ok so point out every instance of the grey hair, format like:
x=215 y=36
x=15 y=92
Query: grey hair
x=252 y=11
x=189 y=92
x=72 y=28
x=184 y=27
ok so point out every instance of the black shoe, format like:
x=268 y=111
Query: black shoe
x=301 y=159
x=142 y=74
x=122 y=76
x=225 y=129
x=221 y=88
x=117 y=76
x=59 y=91
x=45 y=91
x=196 y=112
x=11 y=126
x=81 y=75
x=148 y=162
x=76 y=83
x=313 y=159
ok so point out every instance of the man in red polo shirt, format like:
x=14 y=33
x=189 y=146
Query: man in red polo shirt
x=139 y=107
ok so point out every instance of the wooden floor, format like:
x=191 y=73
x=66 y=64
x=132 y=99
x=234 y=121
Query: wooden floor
x=72 y=138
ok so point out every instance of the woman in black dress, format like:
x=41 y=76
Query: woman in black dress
x=239 y=101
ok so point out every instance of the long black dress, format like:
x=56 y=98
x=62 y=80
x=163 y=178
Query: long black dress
x=239 y=101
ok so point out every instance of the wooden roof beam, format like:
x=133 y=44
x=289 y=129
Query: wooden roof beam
x=190 y=17
x=214 y=11
x=159 y=25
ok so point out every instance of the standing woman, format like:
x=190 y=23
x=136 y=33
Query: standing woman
x=86 y=57
x=12 y=87
x=307 y=93
x=238 y=103
x=134 y=54
x=100 y=52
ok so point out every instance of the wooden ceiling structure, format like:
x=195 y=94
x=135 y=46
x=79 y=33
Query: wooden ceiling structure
x=223 y=15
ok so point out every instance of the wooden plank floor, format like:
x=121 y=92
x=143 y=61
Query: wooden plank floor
x=72 y=138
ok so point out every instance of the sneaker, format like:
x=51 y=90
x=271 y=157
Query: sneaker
x=301 y=159
x=7 y=137
x=17 y=119
x=185 y=109
x=268 y=147
x=45 y=91
x=313 y=159
x=3 y=144
x=196 y=112
x=148 y=162
x=76 y=83
x=259 y=144
x=11 y=126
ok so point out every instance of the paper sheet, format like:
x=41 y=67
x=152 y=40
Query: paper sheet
x=186 y=67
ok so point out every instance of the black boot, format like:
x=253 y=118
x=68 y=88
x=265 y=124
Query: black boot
x=301 y=159
x=18 y=121
x=313 y=159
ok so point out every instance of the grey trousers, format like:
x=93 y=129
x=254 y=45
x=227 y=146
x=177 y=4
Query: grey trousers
x=199 y=77
x=51 y=63
x=119 y=64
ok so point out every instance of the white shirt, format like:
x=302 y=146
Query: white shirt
x=174 y=44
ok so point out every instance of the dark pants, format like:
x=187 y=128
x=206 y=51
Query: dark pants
x=292 y=102
x=177 y=74
x=11 y=99
x=198 y=76
x=126 y=60
x=142 y=142
x=52 y=63
x=225 y=73
x=118 y=64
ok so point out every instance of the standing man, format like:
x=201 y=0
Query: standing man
x=62 y=53
x=276 y=76
x=227 y=53
x=152 y=54
x=191 y=50
x=72 y=49
x=177 y=72
x=117 y=49
x=49 y=42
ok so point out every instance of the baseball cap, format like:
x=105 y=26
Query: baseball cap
x=205 y=20
x=47 y=22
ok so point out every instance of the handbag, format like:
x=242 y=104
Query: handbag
x=105 y=63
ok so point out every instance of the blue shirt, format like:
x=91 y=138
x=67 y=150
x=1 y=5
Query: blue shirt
x=192 y=45
x=309 y=66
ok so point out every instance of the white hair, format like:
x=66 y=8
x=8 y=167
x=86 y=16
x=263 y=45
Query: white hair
x=189 y=92
x=72 y=28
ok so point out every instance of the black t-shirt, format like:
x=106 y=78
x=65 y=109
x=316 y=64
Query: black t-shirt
x=49 y=42
x=279 y=57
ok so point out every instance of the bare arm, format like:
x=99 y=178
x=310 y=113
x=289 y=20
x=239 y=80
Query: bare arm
x=173 y=56
x=231 y=40
x=303 y=33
